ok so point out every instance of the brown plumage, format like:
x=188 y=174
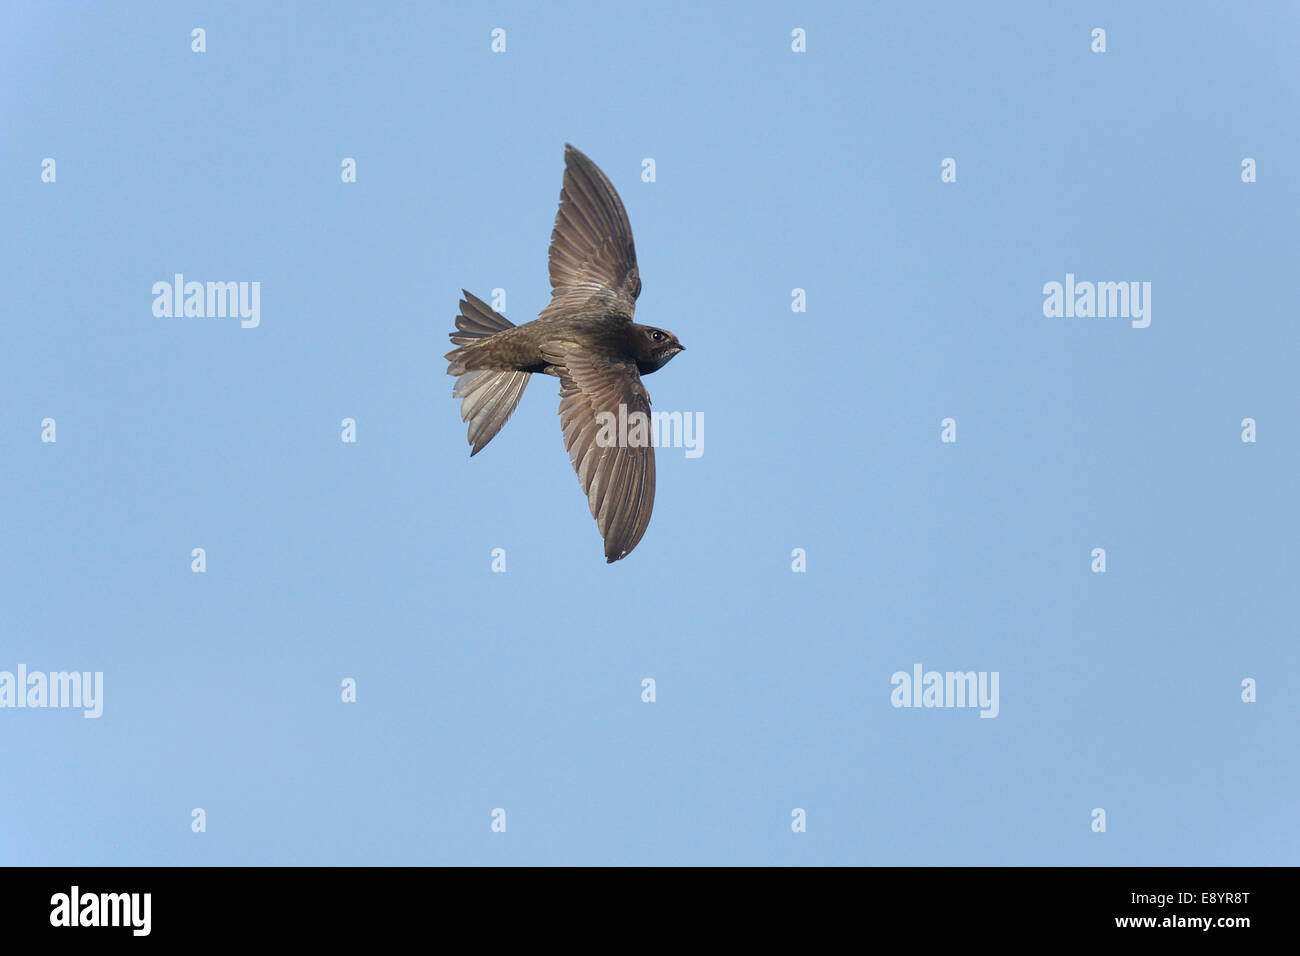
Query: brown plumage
x=586 y=338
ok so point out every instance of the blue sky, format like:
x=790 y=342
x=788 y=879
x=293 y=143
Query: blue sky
x=775 y=170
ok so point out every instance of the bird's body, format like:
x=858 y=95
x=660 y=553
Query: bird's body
x=587 y=339
x=525 y=347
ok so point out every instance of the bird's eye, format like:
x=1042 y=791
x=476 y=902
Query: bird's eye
x=657 y=336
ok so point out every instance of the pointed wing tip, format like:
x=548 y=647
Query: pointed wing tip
x=621 y=553
x=572 y=152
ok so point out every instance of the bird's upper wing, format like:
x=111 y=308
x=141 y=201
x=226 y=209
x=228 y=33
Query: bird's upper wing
x=619 y=476
x=592 y=255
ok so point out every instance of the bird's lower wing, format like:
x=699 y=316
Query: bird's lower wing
x=608 y=431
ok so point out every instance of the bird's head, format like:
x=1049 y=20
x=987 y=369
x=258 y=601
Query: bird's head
x=655 y=348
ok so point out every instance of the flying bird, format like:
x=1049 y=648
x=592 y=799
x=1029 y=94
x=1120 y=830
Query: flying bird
x=587 y=339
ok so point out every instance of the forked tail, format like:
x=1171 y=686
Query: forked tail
x=488 y=395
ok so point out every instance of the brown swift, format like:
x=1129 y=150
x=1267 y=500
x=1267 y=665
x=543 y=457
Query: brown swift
x=587 y=339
